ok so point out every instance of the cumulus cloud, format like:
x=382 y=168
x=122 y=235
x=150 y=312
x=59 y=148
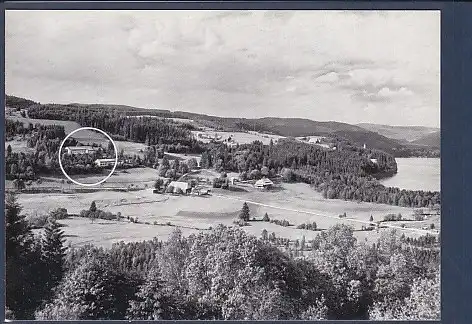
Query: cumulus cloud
x=323 y=65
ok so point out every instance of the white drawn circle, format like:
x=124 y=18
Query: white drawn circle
x=88 y=184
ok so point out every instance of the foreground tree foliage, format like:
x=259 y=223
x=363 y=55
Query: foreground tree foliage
x=33 y=266
x=93 y=290
x=423 y=303
x=227 y=274
x=223 y=274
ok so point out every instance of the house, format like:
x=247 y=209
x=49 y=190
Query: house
x=263 y=183
x=233 y=180
x=105 y=162
x=200 y=191
x=373 y=161
x=184 y=186
x=80 y=150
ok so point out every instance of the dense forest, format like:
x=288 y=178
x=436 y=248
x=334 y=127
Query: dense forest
x=45 y=140
x=345 y=173
x=221 y=274
x=18 y=103
x=148 y=130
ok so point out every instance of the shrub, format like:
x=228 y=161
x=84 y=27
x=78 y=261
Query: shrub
x=308 y=226
x=59 y=213
x=38 y=221
x=284 y=222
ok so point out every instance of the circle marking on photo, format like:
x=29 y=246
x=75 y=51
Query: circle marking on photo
x=88 y=184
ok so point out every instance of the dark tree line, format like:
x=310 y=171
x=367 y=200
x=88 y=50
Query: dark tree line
x=19 y=103
x=294 y=155
x=148 y=130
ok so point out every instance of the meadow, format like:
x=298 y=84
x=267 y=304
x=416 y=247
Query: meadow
x=238 y=137
x=194 y=213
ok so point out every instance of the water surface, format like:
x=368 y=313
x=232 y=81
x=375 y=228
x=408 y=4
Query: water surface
x=416 y=174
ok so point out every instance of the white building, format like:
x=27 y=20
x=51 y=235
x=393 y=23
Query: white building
x=185 y=186
x=263 y=183
x=80 y=150
x=105 y=162
x=373 y=161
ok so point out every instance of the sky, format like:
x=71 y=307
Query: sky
x=351 y=66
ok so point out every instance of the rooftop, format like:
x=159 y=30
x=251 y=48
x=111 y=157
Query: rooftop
x=79 y=148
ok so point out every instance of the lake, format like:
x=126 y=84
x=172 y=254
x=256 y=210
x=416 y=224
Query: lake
x=416 y=174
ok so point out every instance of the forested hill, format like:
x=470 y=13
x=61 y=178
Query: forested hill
x=432 y=140
x=400 y=133
x=280 y=126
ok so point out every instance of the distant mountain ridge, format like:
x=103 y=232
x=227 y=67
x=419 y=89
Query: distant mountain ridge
x=401 y=133
x=390 y=139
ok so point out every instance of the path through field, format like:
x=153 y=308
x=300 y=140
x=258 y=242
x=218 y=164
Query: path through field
x=328 y=216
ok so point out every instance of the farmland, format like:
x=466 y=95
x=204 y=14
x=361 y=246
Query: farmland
x=238 y=137
x=192 y=213
x=295 y=202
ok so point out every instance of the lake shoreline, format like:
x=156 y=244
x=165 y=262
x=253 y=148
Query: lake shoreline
x=416 y=174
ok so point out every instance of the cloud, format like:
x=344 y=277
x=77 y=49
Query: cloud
x=324 y=65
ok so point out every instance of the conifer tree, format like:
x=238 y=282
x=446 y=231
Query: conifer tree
x=244 y=214
x=53 y=255
x=266 y=218
x=22 y=262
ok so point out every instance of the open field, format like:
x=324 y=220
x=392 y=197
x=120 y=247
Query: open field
x=19 y=145
x=183 y=157
x=238 y=137
x=204 y=212
x=80 y=231
x=139 y=177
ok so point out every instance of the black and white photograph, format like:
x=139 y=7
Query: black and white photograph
x=222 y=165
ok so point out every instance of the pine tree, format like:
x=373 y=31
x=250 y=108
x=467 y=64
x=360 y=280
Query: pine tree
x=53 y=255
x=22 y=262
x=110 y=147
x=93 y=207
x=266 y=218
x=92 y=213
x=244 y=214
